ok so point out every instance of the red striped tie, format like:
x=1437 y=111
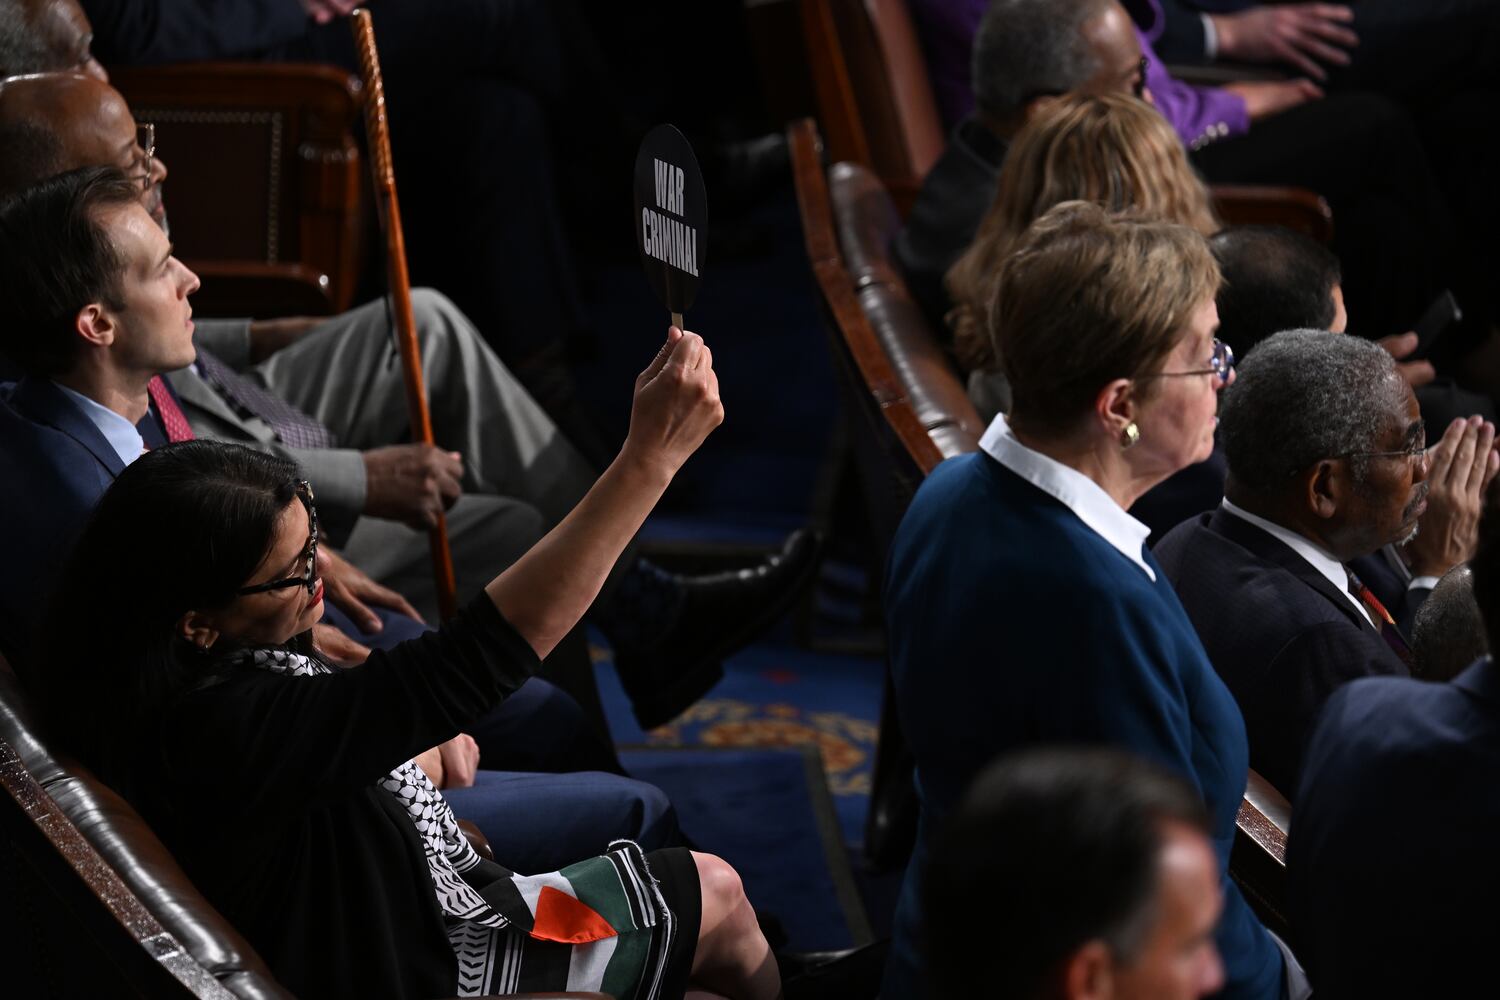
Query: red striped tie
x=172 y=418
x=1386 y=624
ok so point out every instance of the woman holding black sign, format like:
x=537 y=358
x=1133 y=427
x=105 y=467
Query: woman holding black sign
x=285 y=787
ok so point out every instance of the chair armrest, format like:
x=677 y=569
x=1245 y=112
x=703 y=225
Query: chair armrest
x=1294 y=208
x=1257 y=860
x=260 y=290
x=477 y=841
x=265 y=166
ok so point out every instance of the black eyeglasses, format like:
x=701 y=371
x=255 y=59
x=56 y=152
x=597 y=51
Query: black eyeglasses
x=1221 y=364
x=309 y=577
x=1139 y=89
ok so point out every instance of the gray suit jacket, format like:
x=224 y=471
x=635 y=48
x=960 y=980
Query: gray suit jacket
x=337 y=475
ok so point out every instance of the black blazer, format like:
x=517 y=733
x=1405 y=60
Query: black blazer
x=955 y=196
x=1392 y=868
x=148 y=32
x=1278 y=632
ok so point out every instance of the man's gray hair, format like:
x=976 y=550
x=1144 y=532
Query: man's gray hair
x=1302 y=396
x=1029 y=48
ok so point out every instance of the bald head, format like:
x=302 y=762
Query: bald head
x=1448 y=633
x=46 y=36
x=62 y=121
x=1027 y=51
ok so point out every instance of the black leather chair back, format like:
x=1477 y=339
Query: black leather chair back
x=74 y=845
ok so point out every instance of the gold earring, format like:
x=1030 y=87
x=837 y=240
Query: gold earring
x=1129 y=436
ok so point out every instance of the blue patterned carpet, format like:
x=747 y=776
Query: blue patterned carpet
x=754 y=480
x=776 y=695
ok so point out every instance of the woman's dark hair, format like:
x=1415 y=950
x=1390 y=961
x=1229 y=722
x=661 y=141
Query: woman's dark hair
x=1050 y=849
x=55 y=258
x=181 y=529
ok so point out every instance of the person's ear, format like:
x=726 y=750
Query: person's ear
x=1088 y=973
x=198 y=629
x=1327 y=487
x=95 y=325
x=1114 y=408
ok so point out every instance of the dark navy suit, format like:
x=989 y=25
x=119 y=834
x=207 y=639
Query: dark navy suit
x=53 y=475
x=1392 y=861
x=1277 y=631
x=66 y=463
x=56 y=465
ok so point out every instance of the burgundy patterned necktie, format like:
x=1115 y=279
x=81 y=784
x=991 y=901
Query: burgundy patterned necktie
x=173 y=420
x=295 y=428
x=1388 y=630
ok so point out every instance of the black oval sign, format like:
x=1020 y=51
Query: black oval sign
x=671 y=216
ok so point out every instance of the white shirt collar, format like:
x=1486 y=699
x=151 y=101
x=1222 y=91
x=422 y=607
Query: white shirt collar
x=1314 y=555
x=1080 y=494
x=119 y=432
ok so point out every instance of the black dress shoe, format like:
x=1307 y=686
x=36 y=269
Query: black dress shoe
x=854 y=974
x=720 y=613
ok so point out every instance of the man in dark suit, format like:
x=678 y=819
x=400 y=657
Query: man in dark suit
x=1043 y=50
x=1327 y=462
x=1391 y=864
x=93 y=306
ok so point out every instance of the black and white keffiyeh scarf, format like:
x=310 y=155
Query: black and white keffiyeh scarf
x=500 y=923
x=458 y=872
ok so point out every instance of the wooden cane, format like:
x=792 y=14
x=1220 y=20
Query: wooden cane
x=399 y=283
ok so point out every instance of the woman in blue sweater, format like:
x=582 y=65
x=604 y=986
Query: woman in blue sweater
x=1022 y=603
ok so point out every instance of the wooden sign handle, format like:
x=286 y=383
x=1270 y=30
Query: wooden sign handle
x=399 y=283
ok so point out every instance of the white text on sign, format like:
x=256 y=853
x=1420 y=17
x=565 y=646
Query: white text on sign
x=667 y=239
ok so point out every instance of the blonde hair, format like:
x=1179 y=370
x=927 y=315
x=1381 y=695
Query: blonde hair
x=1110 y=149
x=1090 y=296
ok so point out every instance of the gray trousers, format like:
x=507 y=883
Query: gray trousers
x=521 y=476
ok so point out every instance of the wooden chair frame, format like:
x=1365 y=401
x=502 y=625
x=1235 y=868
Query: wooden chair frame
x=309 y=249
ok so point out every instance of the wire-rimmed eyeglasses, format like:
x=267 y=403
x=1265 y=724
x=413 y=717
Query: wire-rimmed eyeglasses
x=1220 y=364
x=145 y=140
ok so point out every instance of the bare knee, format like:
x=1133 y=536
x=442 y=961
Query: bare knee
x=723 y=892
x=733 y=958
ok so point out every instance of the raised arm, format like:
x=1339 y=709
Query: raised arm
x=546 y=591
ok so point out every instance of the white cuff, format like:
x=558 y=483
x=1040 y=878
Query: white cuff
x=1210 y=39
x=1297 y=986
